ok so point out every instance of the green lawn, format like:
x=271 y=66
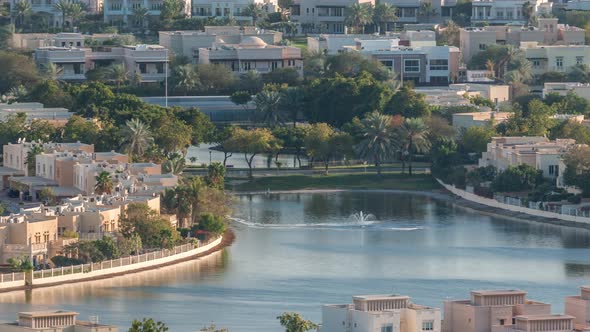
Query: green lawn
x=339 y=181
x=300 y=42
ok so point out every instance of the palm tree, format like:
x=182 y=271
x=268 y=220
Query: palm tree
x=31 y=160
x=62 y=6
x=21 y=10
x=76 y=12
x=527 y=11
x=185 y=78
x=293 y=102
x=118 y=74
x=503 y=61
x=378 y=143
x=104 y=183
x=174 y=164
x=141 y=15
x=426 y=10
x=384 y=13
x=51 y=71
x=267 y=107
x=413 y=138
x=137 y=137
x=359 y=15
x=255 y=11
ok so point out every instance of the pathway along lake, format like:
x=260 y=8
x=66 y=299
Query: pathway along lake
x=297 y=251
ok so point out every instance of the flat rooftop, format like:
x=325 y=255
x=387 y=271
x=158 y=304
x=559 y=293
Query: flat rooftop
x=544 y=317
x=46 y=313
x=498 y=292
x=380 y=297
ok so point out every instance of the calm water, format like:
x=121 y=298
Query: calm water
x=297 y=251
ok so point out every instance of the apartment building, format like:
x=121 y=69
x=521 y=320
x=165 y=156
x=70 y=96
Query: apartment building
x=188 y=43
x=488 y=308
x=390 y=313
x=547 y=32
x=121 y=12
x=537 y=152
x=55 y=321
x=436 y=65
x=231 y=8
x=578 y=306
x=30 y=236
x=252 y=53
x=56 y=18
x=326 y=16
x=558 y=58
x=57 y=116
x=505 y=11
x=563 y=88
x=536 y=323
x=149 y=62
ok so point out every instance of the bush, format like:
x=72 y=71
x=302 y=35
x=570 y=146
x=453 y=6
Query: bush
x=212 y=224
x=60 y=261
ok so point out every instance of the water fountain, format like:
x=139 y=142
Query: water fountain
x=362 y=219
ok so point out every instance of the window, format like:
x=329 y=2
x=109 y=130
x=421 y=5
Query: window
x=554 y=170
x=428 y=325
x=217 y=11
x=559 y=62
x=536 y=63
x=160 y=68
x=483 y=47
x=387 y=328
x=439 y=64
x=412 y=66
x=388 y=64
x=502 y=321
x=439 y=79
x=579 y=60
x=142 y=68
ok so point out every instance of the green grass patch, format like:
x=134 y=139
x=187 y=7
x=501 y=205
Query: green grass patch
x=339 y=181
x=300 y=42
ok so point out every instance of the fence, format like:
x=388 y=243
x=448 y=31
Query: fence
x=107 y=268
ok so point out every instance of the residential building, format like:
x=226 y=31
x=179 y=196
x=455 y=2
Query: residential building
x=231 y=8
x=547 y=32
x=326 y=16
x=505 y=11
x=436 y=65
x=479 y=119
x=387 y=313
x=55 y=321
x=121 y=12
x=188 y=43
x=563 y=88
x=30 y=237
x=558 y=58
x=537 y=152
x=252 y=53
x=578 y=306
x=56 y=116
x=537 y=323
x=55 y=16
x=336 y=43
x=488 y=308
x=148 y=62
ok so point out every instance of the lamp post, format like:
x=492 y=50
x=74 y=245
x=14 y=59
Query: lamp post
x=166 y=79
x=210 y=157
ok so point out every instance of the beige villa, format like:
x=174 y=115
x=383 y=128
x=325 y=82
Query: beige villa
x=54 y=321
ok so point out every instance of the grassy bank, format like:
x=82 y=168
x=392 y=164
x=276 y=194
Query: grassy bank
x=340 y=181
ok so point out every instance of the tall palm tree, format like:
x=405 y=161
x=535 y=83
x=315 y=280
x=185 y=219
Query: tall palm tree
x=414 y=138
x=137 y=137
x=384 y=13
x=76 y=11
x=141 y=15
x=379 y=143
x=51 y=71
x=174 y=164
x=505 y=59
x=527 y=11
x=255 y=11
x=21 y=10
x=31 y=160
x=62 y=6
x=293 y=102
x=104 y=183
x=118 y=74
x=359 y=15
x=426 y=10
x=185 y=78
x=267 y=108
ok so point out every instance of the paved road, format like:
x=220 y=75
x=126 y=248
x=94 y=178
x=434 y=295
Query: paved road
x=218 y=108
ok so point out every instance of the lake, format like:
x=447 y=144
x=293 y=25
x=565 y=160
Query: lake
x=294 y=252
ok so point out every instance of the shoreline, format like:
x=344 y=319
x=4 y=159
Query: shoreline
x=441 y=194
x=226 y=240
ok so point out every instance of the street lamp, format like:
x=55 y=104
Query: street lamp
x=166 y=78
x=210 y=157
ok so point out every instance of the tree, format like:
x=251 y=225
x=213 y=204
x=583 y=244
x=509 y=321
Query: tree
x=154 y=231
x=451 y=33
x=215 y=175
x=293 y=322
x=171 y=9
x=141 y=16
x=185 y=78
x=414 y=138
x=104 y=183
x=250 y=81
x=108 y=247
x=407 y=103
x=242 y=98
x=22 y=9
x=77 y=12
x=47 y=196
x=426 y=10
x=323 y=143
x=173 y=135
x=78 y=129
x=577 y=171
x=267 y=108
x=129 y=246
x=212 y=224
x=379 y=143
x=383 y=14
x=147 y=325
x=293 y=139
x=572 y=129
x=251 y=143
x=292 y=102
x=214 y=78
x=528 y=11
x=117 y=73
x=359 y=15
x=517 y=178
x=62 y=6
x=534 y=120
x=174 y=165
x=12 y=128
x=221 y=137
x=476 y=139
x=255 y=11
x=31 y=161
x=137 y=138
x=203 y=130
x=16 y=70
